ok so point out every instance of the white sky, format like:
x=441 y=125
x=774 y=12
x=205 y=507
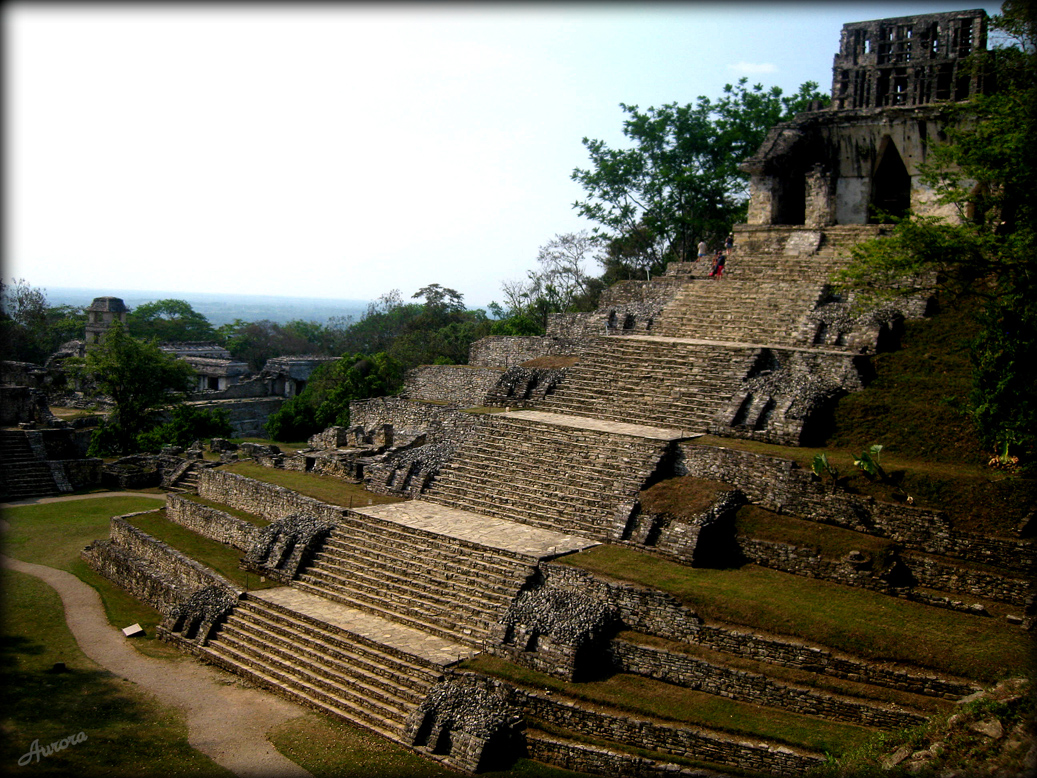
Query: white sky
x=345 y=150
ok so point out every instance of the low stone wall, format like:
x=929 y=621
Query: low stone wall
x=210 y=522
x=147 y=568
x=678 y=739
x=820 y=660
x=806 y=562
x=505 y=352
x=784 y=486
x=587 y=758
x=937 y=574
x=695 y=673
x=461 y=385
x=408 y=417
x=268 y=501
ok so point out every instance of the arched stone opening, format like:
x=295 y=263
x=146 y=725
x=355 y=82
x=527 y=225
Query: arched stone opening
x=891 y=184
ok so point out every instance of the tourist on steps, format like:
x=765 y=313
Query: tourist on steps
x=702 y=250
x=718 y=265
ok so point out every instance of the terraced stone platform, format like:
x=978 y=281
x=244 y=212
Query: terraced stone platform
x=341 y=660
x=563 y=473
x=434 y=568
x=534 y=542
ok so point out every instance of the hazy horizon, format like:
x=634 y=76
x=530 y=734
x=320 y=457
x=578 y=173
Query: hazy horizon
x=221 y=308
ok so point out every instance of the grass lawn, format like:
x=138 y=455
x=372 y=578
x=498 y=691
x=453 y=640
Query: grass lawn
x=54 y=533
x=320 y=487
x=127 y=732
x=843 y=618
x=676 y=704
x=223 y=559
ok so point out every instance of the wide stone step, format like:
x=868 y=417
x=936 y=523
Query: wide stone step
x=457 y=570
x=434 y=597
x=302 y=691
x=466 y=636
x=490 y=589
x=351 y=684
x=361 y=626
x=497 y=562
x=454 y=617
x=523 y=514
x=349 y=655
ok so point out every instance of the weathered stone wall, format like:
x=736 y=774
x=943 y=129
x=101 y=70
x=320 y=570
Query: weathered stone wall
x=682 y=740
x=807 y=562
x=268 y=501
x=597 y=760
x=408 y=417
x=142 y=545
x=937 y=574
x=628 y=307
x=690 y=671
x=640 y=608
x=143 y=580
x=819 y=660
x=524 y=387
x=246 y=389
x=783 y=486
x=505 y=352
x=80 y=473
x=247 y=416
x=210 y=522
x=149 y=569
x=460 y=385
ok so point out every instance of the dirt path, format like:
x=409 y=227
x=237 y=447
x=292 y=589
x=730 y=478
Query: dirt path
x=225 y=722
x=67 y=497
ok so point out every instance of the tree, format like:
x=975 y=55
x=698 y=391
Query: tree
x=988 y=171
x=172 y=321
x=679 y=182
x=140 y=378
x=30 y=330
x=561 y=283
x=255 y=342
x=325 y=400
x=186 y=424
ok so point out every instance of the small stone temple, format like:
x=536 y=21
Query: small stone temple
x=860 y=159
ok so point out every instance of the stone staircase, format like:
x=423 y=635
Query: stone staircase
x=430 y=582
x=567 y=474
x=23 y=473
x=742 y=311
x=353 y=665
x=653 y=381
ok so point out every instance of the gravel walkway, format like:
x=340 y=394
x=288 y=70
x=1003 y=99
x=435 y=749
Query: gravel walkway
x=227 y=723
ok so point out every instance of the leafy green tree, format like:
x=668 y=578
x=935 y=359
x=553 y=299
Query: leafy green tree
x=30 y=329
x=169 y=321
x=186 y=424
x=255 y=342
x=679 y=181
x=325 y=400
x=988 y=171
x=140 y=378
